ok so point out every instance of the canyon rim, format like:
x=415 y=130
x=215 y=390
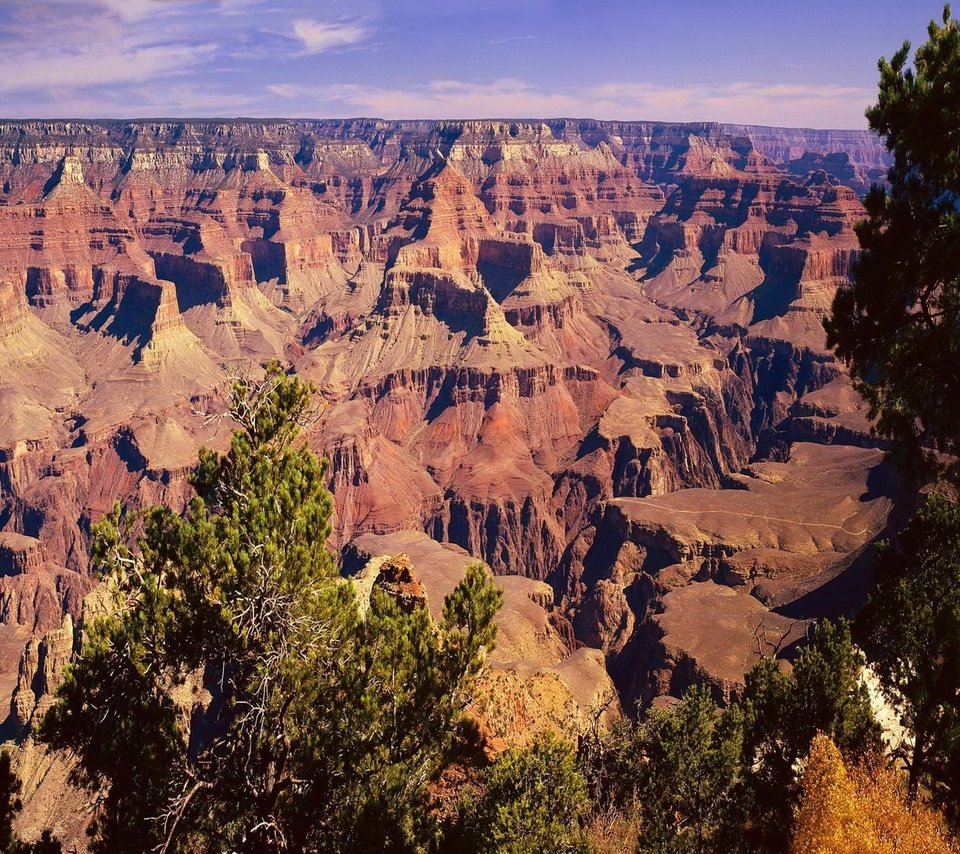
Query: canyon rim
x=588 y=353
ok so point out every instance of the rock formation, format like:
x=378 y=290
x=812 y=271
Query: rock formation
x=587 y=353
x=534 y=680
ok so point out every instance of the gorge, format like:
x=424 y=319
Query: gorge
x=587 y=353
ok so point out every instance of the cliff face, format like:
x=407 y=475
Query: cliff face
x=513 y=326
x=863 y=148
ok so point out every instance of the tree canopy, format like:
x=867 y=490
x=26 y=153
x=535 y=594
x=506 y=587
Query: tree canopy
x=898 y=326
x=860 y=808
x=234 y=694
x=912 y=628
x=696 y=778
x=690 y=772
x=531 y=799
x=783 y=714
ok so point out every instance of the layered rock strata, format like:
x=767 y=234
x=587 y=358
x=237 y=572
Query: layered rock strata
x=563 y=347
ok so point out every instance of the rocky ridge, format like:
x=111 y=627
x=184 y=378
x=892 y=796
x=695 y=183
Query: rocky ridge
x=587 y=353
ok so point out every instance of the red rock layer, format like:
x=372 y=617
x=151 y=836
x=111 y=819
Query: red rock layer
x=511 y=326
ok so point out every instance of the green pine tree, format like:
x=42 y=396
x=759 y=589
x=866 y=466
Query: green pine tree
x=235 y=696
x=912 y=623
x=532 y=800
x=782 y=715
x=898 y=327
x=689 y=777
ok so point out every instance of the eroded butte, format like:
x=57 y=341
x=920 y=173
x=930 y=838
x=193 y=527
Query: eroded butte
x=589 y=354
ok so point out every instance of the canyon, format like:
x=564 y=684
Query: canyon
x=589 y=354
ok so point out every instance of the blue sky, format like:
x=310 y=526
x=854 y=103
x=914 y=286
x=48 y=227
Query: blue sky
x=808 y=63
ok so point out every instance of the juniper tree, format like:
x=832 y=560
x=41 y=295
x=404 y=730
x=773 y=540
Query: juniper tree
x=531 y=799
x=912 y=625
x=783 y=713
x=898 y=326
x=899 y=329
x=234 y=695
x=690 y=776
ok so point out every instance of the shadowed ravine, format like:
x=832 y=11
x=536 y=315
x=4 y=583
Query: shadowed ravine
x=587 y=353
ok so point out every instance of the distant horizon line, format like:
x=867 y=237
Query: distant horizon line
x=526 y=119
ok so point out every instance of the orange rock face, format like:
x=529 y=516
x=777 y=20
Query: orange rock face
x=512 y=326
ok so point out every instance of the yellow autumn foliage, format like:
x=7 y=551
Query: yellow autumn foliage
x=861 y=810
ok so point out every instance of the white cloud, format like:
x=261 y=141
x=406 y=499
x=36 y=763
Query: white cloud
x=746 y=102
x=512 y=39
x=149 y=100
x=137 y=10
x=96 y=66
x=66 y=55
x=98 y=43
x=318 y=36
x=439 y=99
x=285 y=90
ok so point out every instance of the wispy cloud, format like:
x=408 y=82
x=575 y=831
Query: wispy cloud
x=153 y=100
x=319 y=36
x=138 y=10
x=512 y=39
x=99 y=65
x=746 y=101
x=252 y=57
x=438 y=99
x=98 y=43
x=163 y=57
